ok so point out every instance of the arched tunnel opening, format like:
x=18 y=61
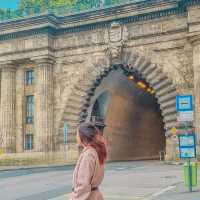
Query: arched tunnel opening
x=134 y=127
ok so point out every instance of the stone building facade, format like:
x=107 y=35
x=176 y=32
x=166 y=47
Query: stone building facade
x=52 y=67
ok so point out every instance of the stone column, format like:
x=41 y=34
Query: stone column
x=44 y=104
x=20 y=84
x=7 y=107
x=196 y=68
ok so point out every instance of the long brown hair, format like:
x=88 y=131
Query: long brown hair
x=90 y=135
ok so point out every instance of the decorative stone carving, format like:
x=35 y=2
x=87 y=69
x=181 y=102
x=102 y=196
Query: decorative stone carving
x=195 y=41
x=115 y=37
x=186 y=70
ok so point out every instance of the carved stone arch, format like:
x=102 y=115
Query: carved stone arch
x=80 y=96
x=165 y=91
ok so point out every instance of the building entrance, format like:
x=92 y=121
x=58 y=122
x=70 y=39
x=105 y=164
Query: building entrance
x=132 y=117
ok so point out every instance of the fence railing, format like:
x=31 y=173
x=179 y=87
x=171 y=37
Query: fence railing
x=79 y=7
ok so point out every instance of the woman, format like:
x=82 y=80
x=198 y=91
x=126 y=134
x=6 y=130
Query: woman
x=89 y=170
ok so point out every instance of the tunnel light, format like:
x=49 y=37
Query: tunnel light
x=131 y=77
x=139 y=81
x=141 y=84
x=149 y=90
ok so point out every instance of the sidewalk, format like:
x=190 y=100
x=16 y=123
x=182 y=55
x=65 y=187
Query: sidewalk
x=173 y=192
x=180 y=192
x=181 y=162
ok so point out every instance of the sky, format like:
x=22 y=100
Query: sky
x=8 y=4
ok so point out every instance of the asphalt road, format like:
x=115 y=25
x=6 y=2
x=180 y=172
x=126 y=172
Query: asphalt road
x=145 y=180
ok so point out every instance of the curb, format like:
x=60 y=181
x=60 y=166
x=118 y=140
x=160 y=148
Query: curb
x=179 y=162
x=13 y=168
x=173 y=162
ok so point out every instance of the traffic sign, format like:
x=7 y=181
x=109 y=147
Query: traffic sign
x=184 y=103
x=187 y=146
x=1 y=151
x=186 y=116
x=185 y=131
x=173 y=130
x=184 y=125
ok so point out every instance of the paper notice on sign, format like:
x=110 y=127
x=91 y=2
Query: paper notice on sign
x=187 y=141
x=187 y=116
x=187 y=146
x=187 y=152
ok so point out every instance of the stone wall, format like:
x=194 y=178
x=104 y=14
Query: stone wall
x=161 y=47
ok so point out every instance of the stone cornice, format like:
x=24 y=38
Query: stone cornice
x=45 y=59
x=57 y=25
x=8 y=65
x=134 y=7
x=194 y=38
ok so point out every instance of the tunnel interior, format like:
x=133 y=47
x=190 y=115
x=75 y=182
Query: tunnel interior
x=134 y=127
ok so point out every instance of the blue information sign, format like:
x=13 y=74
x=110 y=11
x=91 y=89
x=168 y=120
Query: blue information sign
x=187 y=146
x=184 y=103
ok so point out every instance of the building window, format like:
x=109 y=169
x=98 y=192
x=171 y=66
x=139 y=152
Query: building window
x=29 y=77
x=29 y=109
x=29 y=142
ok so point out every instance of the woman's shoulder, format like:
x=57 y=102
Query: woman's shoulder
x=90 y=152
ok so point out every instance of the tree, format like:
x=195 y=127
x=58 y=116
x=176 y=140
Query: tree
x=23 y=4
x=2 y=12
x=5 y=14
x=34 y=6
x=31 y=7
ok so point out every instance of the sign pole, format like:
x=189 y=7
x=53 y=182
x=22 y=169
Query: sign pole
x=65 y=132
x=187 y=141
x=190 y=175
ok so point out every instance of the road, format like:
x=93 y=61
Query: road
x=141 y=180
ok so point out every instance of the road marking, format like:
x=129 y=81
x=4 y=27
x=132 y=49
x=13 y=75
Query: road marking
x=118 y=197
x=163 y=191
x=63 y=197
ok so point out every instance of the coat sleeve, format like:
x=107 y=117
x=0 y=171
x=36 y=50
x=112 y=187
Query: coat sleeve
x=85 y=173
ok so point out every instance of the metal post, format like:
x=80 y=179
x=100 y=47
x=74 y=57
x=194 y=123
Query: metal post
x=65 y=132
x=190 y=176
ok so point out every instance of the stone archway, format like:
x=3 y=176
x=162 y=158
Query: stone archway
x=80 y=99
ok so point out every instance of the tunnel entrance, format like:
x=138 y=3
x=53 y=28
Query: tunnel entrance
x=134 y=127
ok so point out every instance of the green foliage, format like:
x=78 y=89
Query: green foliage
x=31 y=6
x=60 y=3
x=23 y=4
x=2 y=12
x=60 y=7
x=5 y=14
x=67 y=4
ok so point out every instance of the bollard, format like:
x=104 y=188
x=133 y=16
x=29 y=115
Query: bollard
x=190 y=174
